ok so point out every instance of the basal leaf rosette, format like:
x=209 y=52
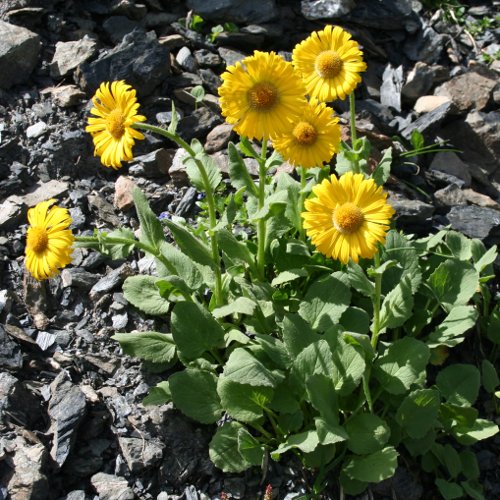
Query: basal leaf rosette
x=348 y=217
x=115 y=112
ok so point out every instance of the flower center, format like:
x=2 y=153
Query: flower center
x=37 y=239
x=347 y=218
x=305 y=133
x=115 y=123
x=263 y=96
x=328 y=64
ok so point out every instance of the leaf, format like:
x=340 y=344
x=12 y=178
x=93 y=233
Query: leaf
x=329 y=433
x=356 y=320
x=486 y=259
x=297 y=334
x=324 y=302
x=449 y=457
x=470 y=467
x=459 y=384
x=158 y=395
x=242 y=305
x=195 y=330
x=454 y=282
x=305 y=441
x=149 y=346
x=172 y=127
x=493 y=328
x=323 y=398
x=418 y=412
x=183 y=266
x=489 y=376
x=194 y=392
x=116 y=250
x=287 y=276
x=402 y=365
x=451 y=331
x=383 y=169
x=417 y=139
x=243 y=402
x=224 y=450
x=367 y=433
x=451 y=415
x=473 y=489
x=251 y=449
x=358 y=279
x=236 y=250
x=372 y=468
x=213 y=174
x=397 y=305
x=278 y=198
x=448 y=490
x=459 y=245
x=238 y=172
x=142 y=292
x=244 y=368
x=482 y=429
x=151 y=228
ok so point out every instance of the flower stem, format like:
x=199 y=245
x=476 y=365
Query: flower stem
x=354 y=136
x=261 y=223
x=303 y=182
x=376 y=303
x=210 y=201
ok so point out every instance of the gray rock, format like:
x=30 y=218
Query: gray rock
x=12 y=212
x=154 y=164
x=177 y=171
x=69 y=55
x=139 y=60
x=450 y=163
x=205 y=58
x=105 y=210
x=111 y=487
x=325 y=9
x=67 y=407
x=119 y=321
x=17 y=404
x=410 y=212
x=36 y=130
x=75 y=495
x=19 y=48
x=187 y=202
x=422 y=78
x=198 y=124
x=10 y=352
x=390 y=91
x=110 y=281
x=428 y=122
x=186 y=60
x=66 y=96
x=476 y=222
x=426 y=46
x=385 y=15
x=428 y=103
x=140 y=454
x=450 y=196
x=230 y=56
x=239 y=11
x=45 y=340
x=218 y=138
x=116 y=27
x=78 y=278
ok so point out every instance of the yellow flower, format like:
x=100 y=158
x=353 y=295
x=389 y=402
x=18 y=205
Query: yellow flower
x=348 y=217
x=329 y=63
x=116 y=111
x=261 y=95
x=48 y=240
x=312 y=139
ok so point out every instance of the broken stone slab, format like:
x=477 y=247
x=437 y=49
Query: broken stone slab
x=392 y=82
x=387 y=15
x=422 y=78
x=450 y=163
x=111 y=280
x=410 y=212
x=67 y=408
x=139 y=453
x=69 y=55
x=65 y=96
x=36 y=130
x=428 y=103
x=325 y=9
x=239 y=11
x=111 y=487
x=10 y=353
x=18 y=404
x=428 y=122
x=19 y=49
x=219 y=137
x=123 y=199
x=476 y=222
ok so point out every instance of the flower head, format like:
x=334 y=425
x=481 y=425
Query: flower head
x=329 y=63
x=312 y=139
x=115 y=109
x=348 y=217
x=48 y=240
x=261 y=95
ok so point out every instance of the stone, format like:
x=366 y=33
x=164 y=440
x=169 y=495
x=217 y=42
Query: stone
x=46 y=190
x=154 y=164
x=458 y=89
x=476 y=222
x=325 y=9
x=219 y=137
x=69 y=55
x=239 y=11
x=111 y=280
x=450 y=196
x=410 y=212
x=140 y=454
x=387 y=15
x=10 y=352
x=111 y=487
x=36 y=130
x=186 y=204
x=105 y=210
x=123 y=199
x=17 y=403
x=425 y=46
x=139 y=59
x=12 y=212
x=19 y=49
x=66 y=96
x=67 y=408
x=198 y=124
x=428 y=103
x=450 y=163
x=428 y=122
x=186 y=61
x=390 y=91
x=230 y=56
x=177 y=171
x=78 y=278
x=422 y=78
x=116 y=27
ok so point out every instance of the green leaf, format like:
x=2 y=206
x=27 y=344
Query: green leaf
x=243 y=402
x=236 y=251
x=190 y=244
x=383 y=169
x=116 y=250
x=355 y=319
x=418 y=412
x=142 y=292
x=158 y=395
x=329 y=433
x=473 y=489
x=238 y=172
x=182 y=266
x=451 y=415
x=149 y=346
x=242 y=305
x=305 y=441
x=451 y=331
x=224 y=449
x=194 y=392
x=402 y=365
x=321 y=394
x=214 y=176
x=470 y=467
x=172 y=127
x=489 y=376
x=198 y=92
x=325 y=301
x=417 y=139
x=297 y=334
x=151 y=228
x=459 y=384
x=459 y=245
x=449 y=457
x=449 y=490
x=251 y=449
x=358 y=279
x=367 y=433
x=351 y=486
x=278 y=198
x=195 y=330
x=454 y=282
x=372 y=468
x=397 y=305
x=486 y=259
x=288 y=276
x=493 y=328
x=482 y=429
x=244 y=368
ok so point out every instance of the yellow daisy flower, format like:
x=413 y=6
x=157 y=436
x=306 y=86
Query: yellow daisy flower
x=312 y=139
x=116 y=111
x=48 y=240
x=348 y=217
x=329 y=62
x=261 y=95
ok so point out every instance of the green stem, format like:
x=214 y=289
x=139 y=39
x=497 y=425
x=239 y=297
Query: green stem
x=354 y=136
x=366 y=388
x=261 y=429
x=261 y=223
x=303 y=183
x=376 y=303
x=210 y=201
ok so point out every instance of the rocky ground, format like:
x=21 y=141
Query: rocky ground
x=72 y=424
